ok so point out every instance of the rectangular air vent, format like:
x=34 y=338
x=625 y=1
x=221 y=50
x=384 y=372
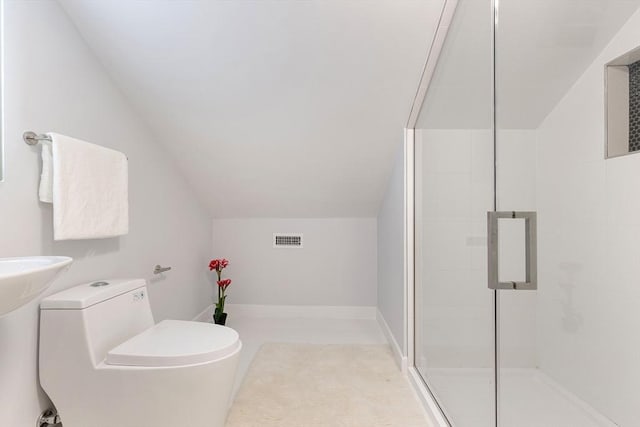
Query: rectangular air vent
x=287 y=240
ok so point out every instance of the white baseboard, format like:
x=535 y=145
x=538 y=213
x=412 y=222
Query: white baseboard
x=290 y=311
x=400 y=358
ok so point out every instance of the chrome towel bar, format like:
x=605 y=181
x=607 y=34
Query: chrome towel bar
x=32 y=138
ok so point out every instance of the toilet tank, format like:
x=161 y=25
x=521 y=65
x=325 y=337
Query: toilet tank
x=92 y=318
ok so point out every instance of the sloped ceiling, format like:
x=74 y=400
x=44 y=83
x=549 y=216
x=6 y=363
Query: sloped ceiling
x=281 y=108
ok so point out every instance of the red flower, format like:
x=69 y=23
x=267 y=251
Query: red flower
x=218 y=264
x=224 y=283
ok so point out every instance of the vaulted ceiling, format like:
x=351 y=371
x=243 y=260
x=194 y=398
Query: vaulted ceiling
x=272 y=108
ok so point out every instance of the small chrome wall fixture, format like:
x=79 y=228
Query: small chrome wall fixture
x=622 y=105
x=158 y=269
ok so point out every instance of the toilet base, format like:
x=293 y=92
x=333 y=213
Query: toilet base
x=185 y=396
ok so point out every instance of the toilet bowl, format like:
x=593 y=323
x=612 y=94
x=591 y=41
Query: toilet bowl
x=105 y=363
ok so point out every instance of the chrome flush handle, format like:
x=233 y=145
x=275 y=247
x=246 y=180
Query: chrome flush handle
x=159 y=269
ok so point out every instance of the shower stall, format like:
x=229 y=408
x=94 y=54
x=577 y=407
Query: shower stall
x=526 y=251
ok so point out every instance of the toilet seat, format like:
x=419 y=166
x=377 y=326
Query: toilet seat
x=175 y=343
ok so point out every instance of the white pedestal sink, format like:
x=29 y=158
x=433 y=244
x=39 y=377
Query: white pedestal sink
x=24 y=278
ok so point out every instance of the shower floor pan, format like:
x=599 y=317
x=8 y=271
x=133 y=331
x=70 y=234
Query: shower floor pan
x=529 y=398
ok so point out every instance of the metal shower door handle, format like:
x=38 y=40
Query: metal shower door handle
x=531 y=249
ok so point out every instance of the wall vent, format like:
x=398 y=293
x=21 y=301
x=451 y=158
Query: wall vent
x=287 y=240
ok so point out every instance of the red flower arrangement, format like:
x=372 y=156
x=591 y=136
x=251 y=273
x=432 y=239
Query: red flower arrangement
x=219 y=316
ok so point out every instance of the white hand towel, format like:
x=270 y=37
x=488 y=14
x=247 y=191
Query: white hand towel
x=90 y=190
x=45 y=192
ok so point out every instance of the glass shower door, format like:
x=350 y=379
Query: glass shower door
x=454 y=322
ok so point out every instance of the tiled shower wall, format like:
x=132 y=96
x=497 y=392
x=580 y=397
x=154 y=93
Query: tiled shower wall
x=634 y=106
x=588 y=241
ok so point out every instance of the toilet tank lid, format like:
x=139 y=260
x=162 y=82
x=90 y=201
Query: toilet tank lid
x=176 y=343
x=88 y=294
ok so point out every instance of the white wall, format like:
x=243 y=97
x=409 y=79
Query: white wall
x=589 y=244
x=53 y=83
x=391 y=284
x=336 y=266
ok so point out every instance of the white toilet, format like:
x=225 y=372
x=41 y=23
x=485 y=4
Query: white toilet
x=105 y=363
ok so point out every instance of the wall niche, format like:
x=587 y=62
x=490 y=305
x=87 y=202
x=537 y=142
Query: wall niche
x=622 y=104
